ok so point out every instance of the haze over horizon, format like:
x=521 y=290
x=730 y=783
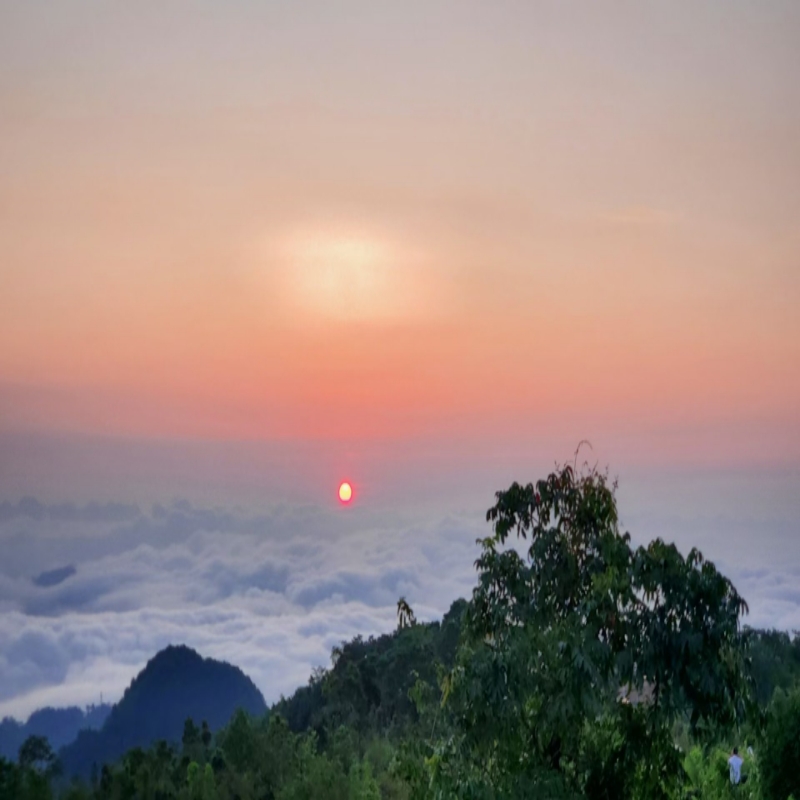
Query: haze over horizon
x=248 y=251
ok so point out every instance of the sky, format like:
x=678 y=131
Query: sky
x=249 y=250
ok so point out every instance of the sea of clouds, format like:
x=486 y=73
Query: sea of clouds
x=89 y=593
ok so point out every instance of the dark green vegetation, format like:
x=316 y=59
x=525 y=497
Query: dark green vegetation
x=582 y=667
x=779 y=762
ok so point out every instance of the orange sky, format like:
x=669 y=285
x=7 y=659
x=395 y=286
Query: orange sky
x=254 y=221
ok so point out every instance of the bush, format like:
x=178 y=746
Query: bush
x=780 y=754
x=708 y=775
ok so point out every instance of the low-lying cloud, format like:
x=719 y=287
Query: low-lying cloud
x=89 y=593
x=272 y=593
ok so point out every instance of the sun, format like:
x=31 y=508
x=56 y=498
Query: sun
x=345 y=492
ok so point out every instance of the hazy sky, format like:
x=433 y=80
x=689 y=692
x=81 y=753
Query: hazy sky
x=249 y=248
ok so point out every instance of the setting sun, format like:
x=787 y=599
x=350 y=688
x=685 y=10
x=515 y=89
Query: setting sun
x=345 y=492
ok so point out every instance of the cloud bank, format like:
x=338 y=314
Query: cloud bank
x=89 y=593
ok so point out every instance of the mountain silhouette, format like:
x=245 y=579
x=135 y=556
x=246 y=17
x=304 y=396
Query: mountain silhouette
x=177 y=683
x=60 y=726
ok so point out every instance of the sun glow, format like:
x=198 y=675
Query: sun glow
x=345 y=492
x=350 y=276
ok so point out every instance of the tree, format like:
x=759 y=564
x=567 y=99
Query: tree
x=191 y=733
x=200 y=782
x=362 y=785
x=10 y=780
x=580 y=652
x=29 y=778
x=205 y=735
x=708 y=774
x=775 y=662
x=780 y=751
x=36 y=753
x=405 y=616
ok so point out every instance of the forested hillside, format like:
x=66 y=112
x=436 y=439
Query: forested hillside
x=775 y=662
x=369 y=685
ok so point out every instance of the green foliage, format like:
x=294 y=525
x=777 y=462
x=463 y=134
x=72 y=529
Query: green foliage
x=30 y=778
x=367 y=687
x=10 y=780
x=200 y=782
x=780 y=751
x=259 y=755
x=36 y=753
x=708 y=775
x=623 y=755
x=554 y=634
x=362 y=785
x=775 y=662
x=316 y=775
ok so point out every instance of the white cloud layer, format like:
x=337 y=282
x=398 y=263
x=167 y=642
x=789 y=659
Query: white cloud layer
x=271 y=593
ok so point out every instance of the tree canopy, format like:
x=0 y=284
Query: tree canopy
x=581 y=651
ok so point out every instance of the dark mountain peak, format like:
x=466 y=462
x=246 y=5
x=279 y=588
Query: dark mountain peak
x=175 y=684
x=173 y=656
x=175 y=651
x=178 y=666
x=179 y=671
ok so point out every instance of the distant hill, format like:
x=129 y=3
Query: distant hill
x=177 y=683
x=59 y=725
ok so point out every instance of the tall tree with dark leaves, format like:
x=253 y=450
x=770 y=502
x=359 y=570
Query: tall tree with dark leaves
x=580 y=652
